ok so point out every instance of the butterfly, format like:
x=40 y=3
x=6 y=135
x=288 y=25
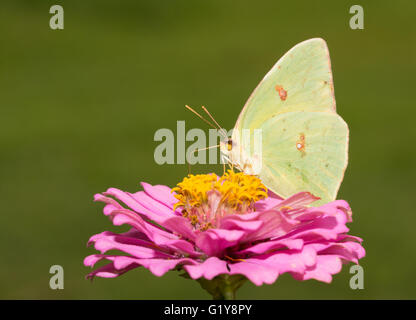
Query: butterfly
x=304 y=142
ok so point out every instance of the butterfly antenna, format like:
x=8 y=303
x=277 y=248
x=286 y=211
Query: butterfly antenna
x=212 y=118
x=199 y=116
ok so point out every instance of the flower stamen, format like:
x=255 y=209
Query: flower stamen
x=234 y=260
x=205 y=198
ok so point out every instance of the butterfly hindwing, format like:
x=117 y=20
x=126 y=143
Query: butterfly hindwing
x=305 y=151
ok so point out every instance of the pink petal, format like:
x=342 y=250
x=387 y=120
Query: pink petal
x=208 y=269
x=161 y=210
x=275 y=224
x=214 y=241
x=148 y=232
x=255 y=270
x=266 y=269
x=233 y=222
x=268 y=203
x=147 y=206
x=154 y=233
x=109 y=271
x=272 y=245
x=328 y=226
x=181 y=226
x=136 y=247
x=159 y=266
x=298 y=200
x=325 y=267
x=121 y=264
x=160 y=193
x=348 y=251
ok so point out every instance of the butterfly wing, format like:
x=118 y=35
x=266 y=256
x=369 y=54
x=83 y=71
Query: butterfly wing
x=296 y=98
x=300 y=81
x=304 y=151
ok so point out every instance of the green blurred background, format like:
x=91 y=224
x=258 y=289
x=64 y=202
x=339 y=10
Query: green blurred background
x=80 y=106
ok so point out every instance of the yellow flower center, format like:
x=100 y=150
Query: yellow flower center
x=205 y=198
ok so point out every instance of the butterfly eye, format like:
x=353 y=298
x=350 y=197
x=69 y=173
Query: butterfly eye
x=229 y=144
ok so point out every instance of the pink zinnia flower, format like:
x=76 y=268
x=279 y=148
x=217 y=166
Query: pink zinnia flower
x=222 y=231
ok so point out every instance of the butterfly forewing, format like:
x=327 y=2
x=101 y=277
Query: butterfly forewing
x=300 y=81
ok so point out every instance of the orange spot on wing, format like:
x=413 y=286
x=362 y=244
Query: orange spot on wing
x=282 y=92
x=300 y=144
